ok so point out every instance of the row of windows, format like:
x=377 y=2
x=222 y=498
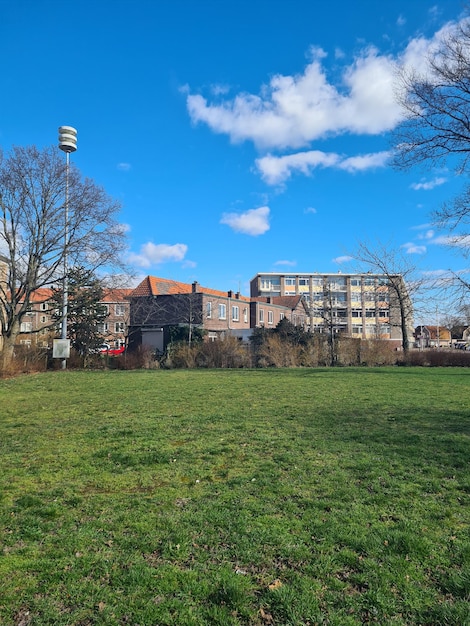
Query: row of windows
x=119 y=309
x=333 y=282
x=222 y=312
x=371 y=329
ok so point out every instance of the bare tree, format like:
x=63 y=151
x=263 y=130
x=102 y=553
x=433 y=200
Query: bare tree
x=436 y=128
x=33 y=238
x=402 y=282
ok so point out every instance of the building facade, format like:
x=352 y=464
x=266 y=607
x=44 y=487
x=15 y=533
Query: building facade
x=357 y=305
x=157 y=304
x=38 y=328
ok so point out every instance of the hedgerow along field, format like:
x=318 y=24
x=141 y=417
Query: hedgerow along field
x=263 y=497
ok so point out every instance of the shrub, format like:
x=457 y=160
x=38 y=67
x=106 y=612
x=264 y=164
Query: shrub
x=228 y=352
x=439 y=358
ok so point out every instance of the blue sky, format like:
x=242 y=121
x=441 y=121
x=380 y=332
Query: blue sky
x=240 y=136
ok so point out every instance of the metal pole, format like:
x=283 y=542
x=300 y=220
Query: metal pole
x=67 y=143
x=65 y=293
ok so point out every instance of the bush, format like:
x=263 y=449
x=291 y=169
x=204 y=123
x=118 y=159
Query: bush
x=439 y=358
x=276 y=352
x=228 y=352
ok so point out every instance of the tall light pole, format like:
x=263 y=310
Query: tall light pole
x=67 y=143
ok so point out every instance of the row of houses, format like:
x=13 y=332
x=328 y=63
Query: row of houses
x=357 y=305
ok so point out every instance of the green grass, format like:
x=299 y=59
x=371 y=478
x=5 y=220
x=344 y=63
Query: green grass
x=285 y=497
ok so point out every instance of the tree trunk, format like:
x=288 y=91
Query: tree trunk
x=7 y=353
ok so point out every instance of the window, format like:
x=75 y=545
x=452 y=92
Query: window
x=289 y=281
x=384 y=329
x=357 y=329
x=355 y=282
x=209 y=310
x=270 y=317
x=103 y=327
x=106 y=308
x=370 y=313
x=43 y=306
x=245 y=315
x=356 y=313
x=43 y=319
x=317 y=282
x=371 y=329
x=120 y=309
x=236 y=313
x=270 y=284
x=261 y=316
x=303 y=281
x=369 y=282
x=355 y=297
x=281 y=316
x=26 y=327
x=384 y=313
x=119 y=327
x=222 y=312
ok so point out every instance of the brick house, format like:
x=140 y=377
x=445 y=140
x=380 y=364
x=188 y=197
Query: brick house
x=269 y=311
x=114 y=329
x=156 y=304
x=37 y=329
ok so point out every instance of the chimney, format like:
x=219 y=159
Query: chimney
x=230 y=293
x=195 y=286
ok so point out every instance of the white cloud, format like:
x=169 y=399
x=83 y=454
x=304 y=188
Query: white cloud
x=124 y=167
x=456 y=241
x=429 y=184
x=155 y=254
x=429 y=234
x=364 y=162
x=412 y=248
x=342 y=259
x=253 y=222
x=291 y=111
x=310 y=209
x=219 y=90
x=286 y=263
x=275 y=170
x=401 y=21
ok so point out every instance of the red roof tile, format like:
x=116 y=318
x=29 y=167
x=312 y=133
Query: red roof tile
x=154 y=286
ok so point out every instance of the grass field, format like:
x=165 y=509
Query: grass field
x=257 y=497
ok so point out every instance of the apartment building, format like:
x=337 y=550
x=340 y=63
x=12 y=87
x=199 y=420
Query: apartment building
x=357 y=305
x=37 y=326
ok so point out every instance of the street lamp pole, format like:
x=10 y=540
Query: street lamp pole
x=68 y=144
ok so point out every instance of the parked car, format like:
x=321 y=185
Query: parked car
x=106 y=349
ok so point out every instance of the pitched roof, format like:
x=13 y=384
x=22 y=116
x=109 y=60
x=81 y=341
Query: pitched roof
x=41 y=295
x=155 y=286
x=116 y=295
x=444 y=333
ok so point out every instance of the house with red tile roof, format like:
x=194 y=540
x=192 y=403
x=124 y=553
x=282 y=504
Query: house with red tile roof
x=158 y=304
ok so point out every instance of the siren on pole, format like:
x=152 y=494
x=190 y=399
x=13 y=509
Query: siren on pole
x=67 y=138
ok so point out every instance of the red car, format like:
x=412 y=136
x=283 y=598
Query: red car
x=112 y=351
